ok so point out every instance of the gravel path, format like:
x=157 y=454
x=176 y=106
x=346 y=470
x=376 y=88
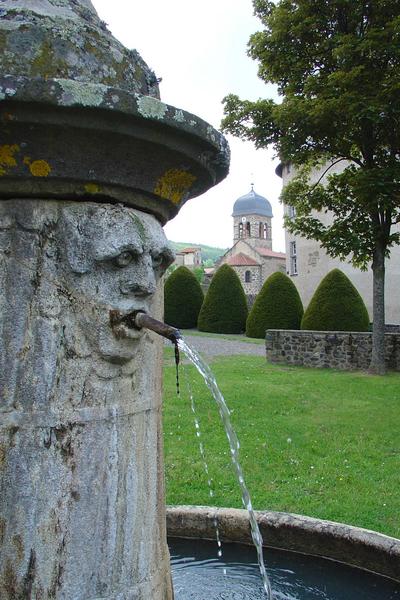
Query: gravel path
x=209 y=346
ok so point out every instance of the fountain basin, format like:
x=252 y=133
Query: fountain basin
x=318 y=539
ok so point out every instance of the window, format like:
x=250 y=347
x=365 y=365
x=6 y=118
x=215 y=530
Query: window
x=247 y=277
x=291 y=211
x=266 y=232
x=293 y=258
x=240 y=230
x=260 y=230
x=248 y=231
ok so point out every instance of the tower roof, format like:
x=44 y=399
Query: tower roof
x=252 y=204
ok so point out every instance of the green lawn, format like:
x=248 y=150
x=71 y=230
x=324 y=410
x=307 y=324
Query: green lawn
x=223 y=336
x=316 y=442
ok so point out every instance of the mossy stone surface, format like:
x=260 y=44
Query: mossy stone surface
x=61 y=39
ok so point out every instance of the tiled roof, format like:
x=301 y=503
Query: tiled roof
x=188 y=250
x=242 y=260
x=270 y=253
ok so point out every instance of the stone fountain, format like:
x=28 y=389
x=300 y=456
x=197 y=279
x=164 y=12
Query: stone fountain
x=92 y=163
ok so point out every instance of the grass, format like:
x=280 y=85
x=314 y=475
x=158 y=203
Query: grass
x=223 y=336
x=315 y=442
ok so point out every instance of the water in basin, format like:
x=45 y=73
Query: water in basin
x=198 y=574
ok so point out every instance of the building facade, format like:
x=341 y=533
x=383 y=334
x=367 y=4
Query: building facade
x=307 y=263
x=188 y=257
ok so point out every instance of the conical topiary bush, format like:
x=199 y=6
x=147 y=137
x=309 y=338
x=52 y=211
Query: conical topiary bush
x=183 y=298
x=277 y=306
x=336 y=306
x=224 y=308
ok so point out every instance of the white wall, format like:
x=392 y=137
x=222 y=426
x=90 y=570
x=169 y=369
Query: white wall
x=313 y=264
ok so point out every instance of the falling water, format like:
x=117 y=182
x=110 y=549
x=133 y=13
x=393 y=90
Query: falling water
x=177 y=359
x=203 y=455
x=234 y=445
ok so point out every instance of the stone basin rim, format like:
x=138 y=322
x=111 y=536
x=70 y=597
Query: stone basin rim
x=95 y=142
x=354 y=546
x=69 y=93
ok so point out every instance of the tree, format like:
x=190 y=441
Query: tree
x=336 y=306
x=337 y=66
x=277 y=306
x=183 y=298
x=224 y=308
x=199 y=274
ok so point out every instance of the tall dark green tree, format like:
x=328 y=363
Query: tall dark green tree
x=336 y=306
x=277 y=306
x=224 y=309
x=337 y=67
x=183 y=298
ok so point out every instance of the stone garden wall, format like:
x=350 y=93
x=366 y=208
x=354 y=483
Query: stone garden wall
x=338 y=350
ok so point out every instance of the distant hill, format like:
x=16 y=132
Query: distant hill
x=206 y=251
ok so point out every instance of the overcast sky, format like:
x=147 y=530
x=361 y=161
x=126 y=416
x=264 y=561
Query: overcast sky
x=199 y=50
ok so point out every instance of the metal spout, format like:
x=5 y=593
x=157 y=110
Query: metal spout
x=144 y=320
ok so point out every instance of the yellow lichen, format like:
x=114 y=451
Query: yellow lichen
x=40 y=168
x=3 y=456
x=92 y=188
x=174 y=184
x=7 y=159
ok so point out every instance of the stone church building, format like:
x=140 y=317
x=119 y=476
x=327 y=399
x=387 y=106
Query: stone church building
x=251 y=255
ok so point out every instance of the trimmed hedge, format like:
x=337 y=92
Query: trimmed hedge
x=277 y=306
x=224 y=308
x=336 y=306
x=183 y=298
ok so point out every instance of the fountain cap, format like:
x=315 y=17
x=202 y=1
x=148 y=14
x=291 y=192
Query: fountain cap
x=81 y=118
x=65 y=39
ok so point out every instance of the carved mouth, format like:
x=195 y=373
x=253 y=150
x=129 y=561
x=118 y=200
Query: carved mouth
x=124 y=324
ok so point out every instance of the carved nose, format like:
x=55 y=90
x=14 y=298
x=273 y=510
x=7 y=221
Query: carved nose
x=140 y=280
x=139 y=286
x=138 y=289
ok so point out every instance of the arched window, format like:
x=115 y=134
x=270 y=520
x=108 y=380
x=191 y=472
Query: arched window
x=260 y=230
x=248 y=230
x=266 y=232
x=240 y=230
x=247 y=277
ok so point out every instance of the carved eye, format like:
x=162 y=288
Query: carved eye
x=124 y=259
x=158 y=261
x=163 y=259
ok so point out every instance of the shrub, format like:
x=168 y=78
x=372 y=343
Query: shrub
x=198 y=272
x=277 y=306
x=336 y=306
x=224 y=308
x=183 y=298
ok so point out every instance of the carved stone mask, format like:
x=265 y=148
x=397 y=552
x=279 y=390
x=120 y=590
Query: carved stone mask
x=114 y=258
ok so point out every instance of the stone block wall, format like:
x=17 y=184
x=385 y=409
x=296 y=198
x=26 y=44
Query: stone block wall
x=254 y=285
x=330 y=349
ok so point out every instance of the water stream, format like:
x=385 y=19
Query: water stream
x=202 y=453
x=234 y=446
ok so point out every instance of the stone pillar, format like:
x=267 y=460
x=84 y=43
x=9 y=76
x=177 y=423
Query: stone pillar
x=91 y=165
x=82 y=503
